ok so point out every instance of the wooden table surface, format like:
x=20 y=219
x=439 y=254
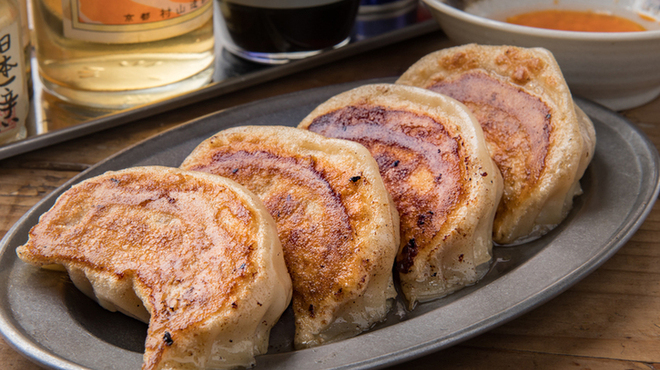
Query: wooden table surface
x=609 y=320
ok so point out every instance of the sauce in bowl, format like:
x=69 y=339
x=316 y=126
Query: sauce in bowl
x=571 y=20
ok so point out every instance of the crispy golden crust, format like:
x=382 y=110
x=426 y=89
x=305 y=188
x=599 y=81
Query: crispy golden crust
x=199 y=251
x=516 y=124
x=521 y=100
x=426 y=187
x=337 y=225
x=434 y=161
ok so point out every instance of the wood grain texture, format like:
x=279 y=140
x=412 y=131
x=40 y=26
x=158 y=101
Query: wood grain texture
x=609 y=320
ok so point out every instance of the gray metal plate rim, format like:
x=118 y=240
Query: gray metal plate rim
x=480 y=309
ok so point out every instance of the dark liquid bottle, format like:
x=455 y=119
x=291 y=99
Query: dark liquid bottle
x=279 y=28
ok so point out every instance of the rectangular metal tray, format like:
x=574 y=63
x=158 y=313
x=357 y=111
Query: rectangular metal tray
x=52 y=120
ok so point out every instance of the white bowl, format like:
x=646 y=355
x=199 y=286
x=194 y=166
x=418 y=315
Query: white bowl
x=619 y=70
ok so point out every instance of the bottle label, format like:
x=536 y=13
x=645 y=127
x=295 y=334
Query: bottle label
x=14 y=99
x=131 y=21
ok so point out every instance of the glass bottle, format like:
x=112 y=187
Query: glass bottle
x=14 y=97
x=121 y=53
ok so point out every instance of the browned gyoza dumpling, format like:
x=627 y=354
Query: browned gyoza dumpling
x=336 y=221
x=435 y=164
x=541 y=142
x=195 y=255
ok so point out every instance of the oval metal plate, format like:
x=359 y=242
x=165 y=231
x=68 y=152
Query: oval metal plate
x=47 y=319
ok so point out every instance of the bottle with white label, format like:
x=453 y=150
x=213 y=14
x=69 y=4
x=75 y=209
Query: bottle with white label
x=118 y=54
x=14 y=98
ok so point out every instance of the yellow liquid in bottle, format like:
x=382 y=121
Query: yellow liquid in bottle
x=119 y=75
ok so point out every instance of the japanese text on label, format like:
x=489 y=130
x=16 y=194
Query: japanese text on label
x=8 y=84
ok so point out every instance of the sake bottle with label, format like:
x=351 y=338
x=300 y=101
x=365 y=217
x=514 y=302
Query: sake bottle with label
x=14 y=98
x=123 y=53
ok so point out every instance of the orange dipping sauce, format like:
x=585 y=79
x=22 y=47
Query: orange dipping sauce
x=570 y=20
